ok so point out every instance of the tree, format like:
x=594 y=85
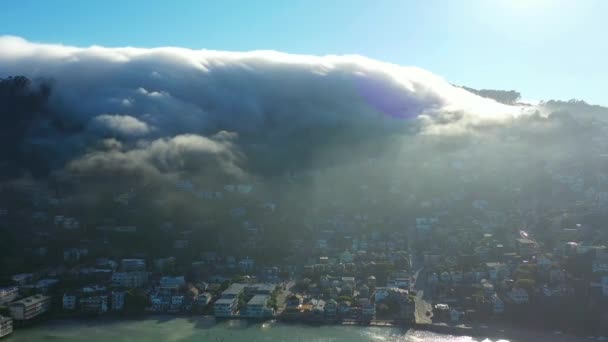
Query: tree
x=345 y=299
x=135 y=301
x=524 y=283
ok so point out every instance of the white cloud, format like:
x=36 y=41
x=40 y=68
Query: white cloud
x=121 y=124
x=175 y=100
x=185 y=89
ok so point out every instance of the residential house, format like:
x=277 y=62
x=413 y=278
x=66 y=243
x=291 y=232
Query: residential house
x=318 y=306
x=364 y=291
x=164 y=263
x=399 y=280
x=293 y=300
x=30 y=307
x=557 y=275
x=518 y=295
x=118 y=300
x=381 y=294
x=604 y=282
x=371 y=281
x=94 y=304
x=8 y=294
x=69 y=301
x=527 y=247
x=368 y=311
x=246 y=264
x=488 y=290
x=600 y=266
x=133 y=265
x=344 y=308
x=160 y=301
x=497 y=270
x=22 y=278
x=348 y=281
x=543 y=262
x=331 y=307
x=203 y=299
x=346 y=257
x=43 y=285
x=172 y=283
x=177 y=302
x=132 y=279
x=244 y=188
x=457 y=276
x=455 y=315
x=498 y=306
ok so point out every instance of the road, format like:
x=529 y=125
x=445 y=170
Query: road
x=422 y=306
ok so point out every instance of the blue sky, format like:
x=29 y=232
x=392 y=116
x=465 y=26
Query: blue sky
x=543 y=48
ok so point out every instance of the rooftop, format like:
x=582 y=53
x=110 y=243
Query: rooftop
x=258 y=300
x=234 y=289
x=226 y=301
x=31 y=300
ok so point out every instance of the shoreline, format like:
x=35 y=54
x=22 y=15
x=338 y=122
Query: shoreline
x=491 y=330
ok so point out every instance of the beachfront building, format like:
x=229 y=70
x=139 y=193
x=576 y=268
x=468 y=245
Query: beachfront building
x=30 y=307
x=6 y=326
x=257 y=306
x=225 y=307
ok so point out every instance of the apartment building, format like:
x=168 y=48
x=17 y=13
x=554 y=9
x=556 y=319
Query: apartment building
x=30 y=307
x=6 y=326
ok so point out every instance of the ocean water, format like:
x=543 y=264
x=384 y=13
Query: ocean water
x=172 y=329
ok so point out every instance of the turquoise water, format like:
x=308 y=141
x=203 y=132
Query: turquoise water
x=170 y=329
